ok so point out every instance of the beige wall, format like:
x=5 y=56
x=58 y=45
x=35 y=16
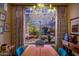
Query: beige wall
x=73 y=11
x=6 y=36
x=2 y=39
x=1 y=35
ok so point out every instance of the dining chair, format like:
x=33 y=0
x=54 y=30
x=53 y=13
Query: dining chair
x=37 y=50
x=9 y=48
x=19 y=51
x=62 y=52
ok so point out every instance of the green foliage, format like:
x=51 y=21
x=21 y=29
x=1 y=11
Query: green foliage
x=34 y=30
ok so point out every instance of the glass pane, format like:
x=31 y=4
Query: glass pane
x=39 y=22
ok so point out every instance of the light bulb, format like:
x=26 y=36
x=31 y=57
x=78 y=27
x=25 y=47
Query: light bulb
x=40 y=5
x=34 y=6
x=49 y=10
x=50 y=6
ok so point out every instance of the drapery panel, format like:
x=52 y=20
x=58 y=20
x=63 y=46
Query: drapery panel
x=17 y=26
x=61 y=24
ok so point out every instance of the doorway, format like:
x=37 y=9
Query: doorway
x=38 y=22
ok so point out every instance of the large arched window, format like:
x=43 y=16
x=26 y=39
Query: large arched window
x=37 y=23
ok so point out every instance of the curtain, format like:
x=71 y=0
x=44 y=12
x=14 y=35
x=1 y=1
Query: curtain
x=17 y=26
x=61 y=24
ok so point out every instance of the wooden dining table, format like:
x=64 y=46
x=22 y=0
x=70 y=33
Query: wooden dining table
x=37 y=50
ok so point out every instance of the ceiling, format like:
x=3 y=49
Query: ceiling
x=31 y=4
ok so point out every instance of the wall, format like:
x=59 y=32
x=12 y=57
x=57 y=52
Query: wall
x=73 y=11
x=6 y=36
x=2 y=10
x=1 y=34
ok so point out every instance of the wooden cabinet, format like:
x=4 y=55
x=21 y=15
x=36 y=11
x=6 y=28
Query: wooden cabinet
x=71 y=47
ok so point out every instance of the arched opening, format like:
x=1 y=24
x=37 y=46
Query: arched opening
x=39 y=23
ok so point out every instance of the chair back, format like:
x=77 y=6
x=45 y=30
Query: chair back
x=19 y=51
x=3 y=47
x=62 y=52
x=37 y=50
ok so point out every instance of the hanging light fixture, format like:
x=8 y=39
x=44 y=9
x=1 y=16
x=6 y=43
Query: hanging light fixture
x=50 y=8
x=34 y=6
x=53 y=9
x=40 y=5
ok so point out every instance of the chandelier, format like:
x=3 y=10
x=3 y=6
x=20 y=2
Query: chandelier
x=41 y=5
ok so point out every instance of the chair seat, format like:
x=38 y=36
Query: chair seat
x=19 y=51
x=62 y=52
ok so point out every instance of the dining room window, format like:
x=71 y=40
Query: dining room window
x=38 y=22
